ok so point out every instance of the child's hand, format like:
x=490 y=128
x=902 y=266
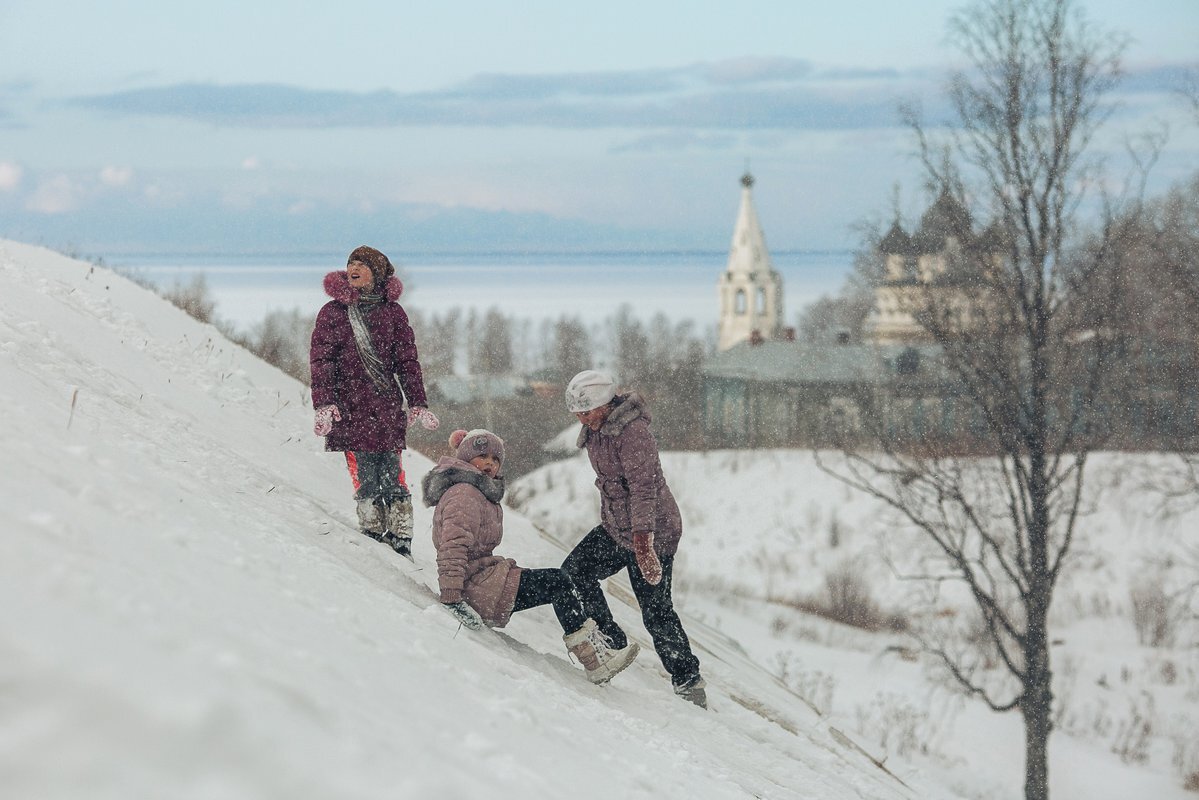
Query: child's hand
x=425 y=417
x=647 y=559
x=465 y=614
x=325 y=417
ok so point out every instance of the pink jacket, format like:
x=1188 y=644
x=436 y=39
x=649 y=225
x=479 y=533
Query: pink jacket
x=468 y=524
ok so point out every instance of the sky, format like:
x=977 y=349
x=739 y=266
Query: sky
x=263 y=127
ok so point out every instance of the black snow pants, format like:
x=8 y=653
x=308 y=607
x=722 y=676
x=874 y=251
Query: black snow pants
x=541 y=586
x=598 y=556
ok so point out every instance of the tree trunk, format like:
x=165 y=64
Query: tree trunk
x=1037 y=708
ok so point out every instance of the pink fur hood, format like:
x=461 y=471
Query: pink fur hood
x=337 y=286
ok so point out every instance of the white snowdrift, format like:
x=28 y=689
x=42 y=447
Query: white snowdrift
x=188 y=613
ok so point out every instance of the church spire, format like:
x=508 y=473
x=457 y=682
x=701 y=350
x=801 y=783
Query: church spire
x=751 y=292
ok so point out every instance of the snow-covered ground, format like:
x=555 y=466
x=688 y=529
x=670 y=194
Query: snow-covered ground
x=188 y=612
x=771 y=524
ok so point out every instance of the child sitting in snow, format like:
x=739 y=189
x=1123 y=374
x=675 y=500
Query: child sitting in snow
x=478 y=586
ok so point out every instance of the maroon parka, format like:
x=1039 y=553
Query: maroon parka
x=372 y=420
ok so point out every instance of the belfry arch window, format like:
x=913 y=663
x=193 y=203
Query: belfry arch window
x=739 y=304
x=761 y=303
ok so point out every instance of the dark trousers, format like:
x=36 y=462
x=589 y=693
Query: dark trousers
x=597 y=557
x=377 y=475
x=541 y=586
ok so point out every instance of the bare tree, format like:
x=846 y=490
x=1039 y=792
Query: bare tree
x=571 y=348
x=1026 y=370
x=282 y=338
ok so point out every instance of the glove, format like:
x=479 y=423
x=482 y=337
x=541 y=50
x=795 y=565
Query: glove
x=424 y=416
x=325 y=417
x=465 y=614
x=647 y=559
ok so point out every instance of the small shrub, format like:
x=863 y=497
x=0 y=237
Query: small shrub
x=1152 y=614
x=849 y=598
x=195 y=298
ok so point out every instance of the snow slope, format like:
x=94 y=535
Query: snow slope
x=770 y=525
x=188 y=612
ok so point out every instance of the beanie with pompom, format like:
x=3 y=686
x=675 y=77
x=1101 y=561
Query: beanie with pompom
x=477 y=442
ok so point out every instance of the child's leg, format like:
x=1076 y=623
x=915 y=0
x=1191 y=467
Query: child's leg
x=541 y=586
x=364 y=472
x=663 y=624
x=398 y=502
x=594 y=558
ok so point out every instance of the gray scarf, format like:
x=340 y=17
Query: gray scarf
x=362 y=339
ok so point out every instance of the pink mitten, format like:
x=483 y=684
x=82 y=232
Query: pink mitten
x=647 y=559
x=425 y=417
x=325 y=417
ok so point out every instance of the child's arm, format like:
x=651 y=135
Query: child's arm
x=456 y=537
x=322 y=360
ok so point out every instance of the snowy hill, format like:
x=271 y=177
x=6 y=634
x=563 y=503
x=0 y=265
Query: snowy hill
x=766 y=530
x=188 y=612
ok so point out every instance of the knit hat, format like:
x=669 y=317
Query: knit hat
x=589 y=389
x=479 y=442
x=379 y=264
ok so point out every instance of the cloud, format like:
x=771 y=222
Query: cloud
x=735 y=94
x=677 y=141
x=57 y=195
x=10 y=176
x=116 y=176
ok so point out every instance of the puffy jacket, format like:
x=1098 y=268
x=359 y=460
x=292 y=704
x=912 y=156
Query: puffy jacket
x=628 y=473
x=372 y=420
x=468 y=524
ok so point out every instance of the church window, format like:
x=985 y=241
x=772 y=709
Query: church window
x=761 y=304
x=740 y=301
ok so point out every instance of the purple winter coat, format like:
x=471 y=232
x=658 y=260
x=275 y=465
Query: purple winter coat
x=634 y=496
x=468 y=524
x=372 y=421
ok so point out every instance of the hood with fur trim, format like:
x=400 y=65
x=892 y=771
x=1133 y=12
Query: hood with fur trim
x=629 y=407
x=450 y=471
x=337 y=286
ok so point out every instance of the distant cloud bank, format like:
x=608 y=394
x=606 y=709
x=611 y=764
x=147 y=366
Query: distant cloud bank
x=738 y=94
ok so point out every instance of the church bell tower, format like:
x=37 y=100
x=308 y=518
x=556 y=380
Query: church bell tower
x=751 y=292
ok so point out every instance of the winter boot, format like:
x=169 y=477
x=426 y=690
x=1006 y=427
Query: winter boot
x=370 y=518
x=399 y=525
x=693 y=690
x=595 y=652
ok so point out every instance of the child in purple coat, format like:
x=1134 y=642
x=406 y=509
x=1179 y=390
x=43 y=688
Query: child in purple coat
x=364 y=364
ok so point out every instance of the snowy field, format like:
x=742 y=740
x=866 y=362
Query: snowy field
x=188 y=612
x=771 y=525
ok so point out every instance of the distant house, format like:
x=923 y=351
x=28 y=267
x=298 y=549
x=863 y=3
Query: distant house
x=786 y=393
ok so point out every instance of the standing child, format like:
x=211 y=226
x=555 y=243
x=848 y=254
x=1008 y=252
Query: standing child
x=640 y=525
x=478 y=586
x=364 y=363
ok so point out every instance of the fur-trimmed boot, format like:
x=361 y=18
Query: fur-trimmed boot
x=399 y=525
x=595 y=652
x=370 y=518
